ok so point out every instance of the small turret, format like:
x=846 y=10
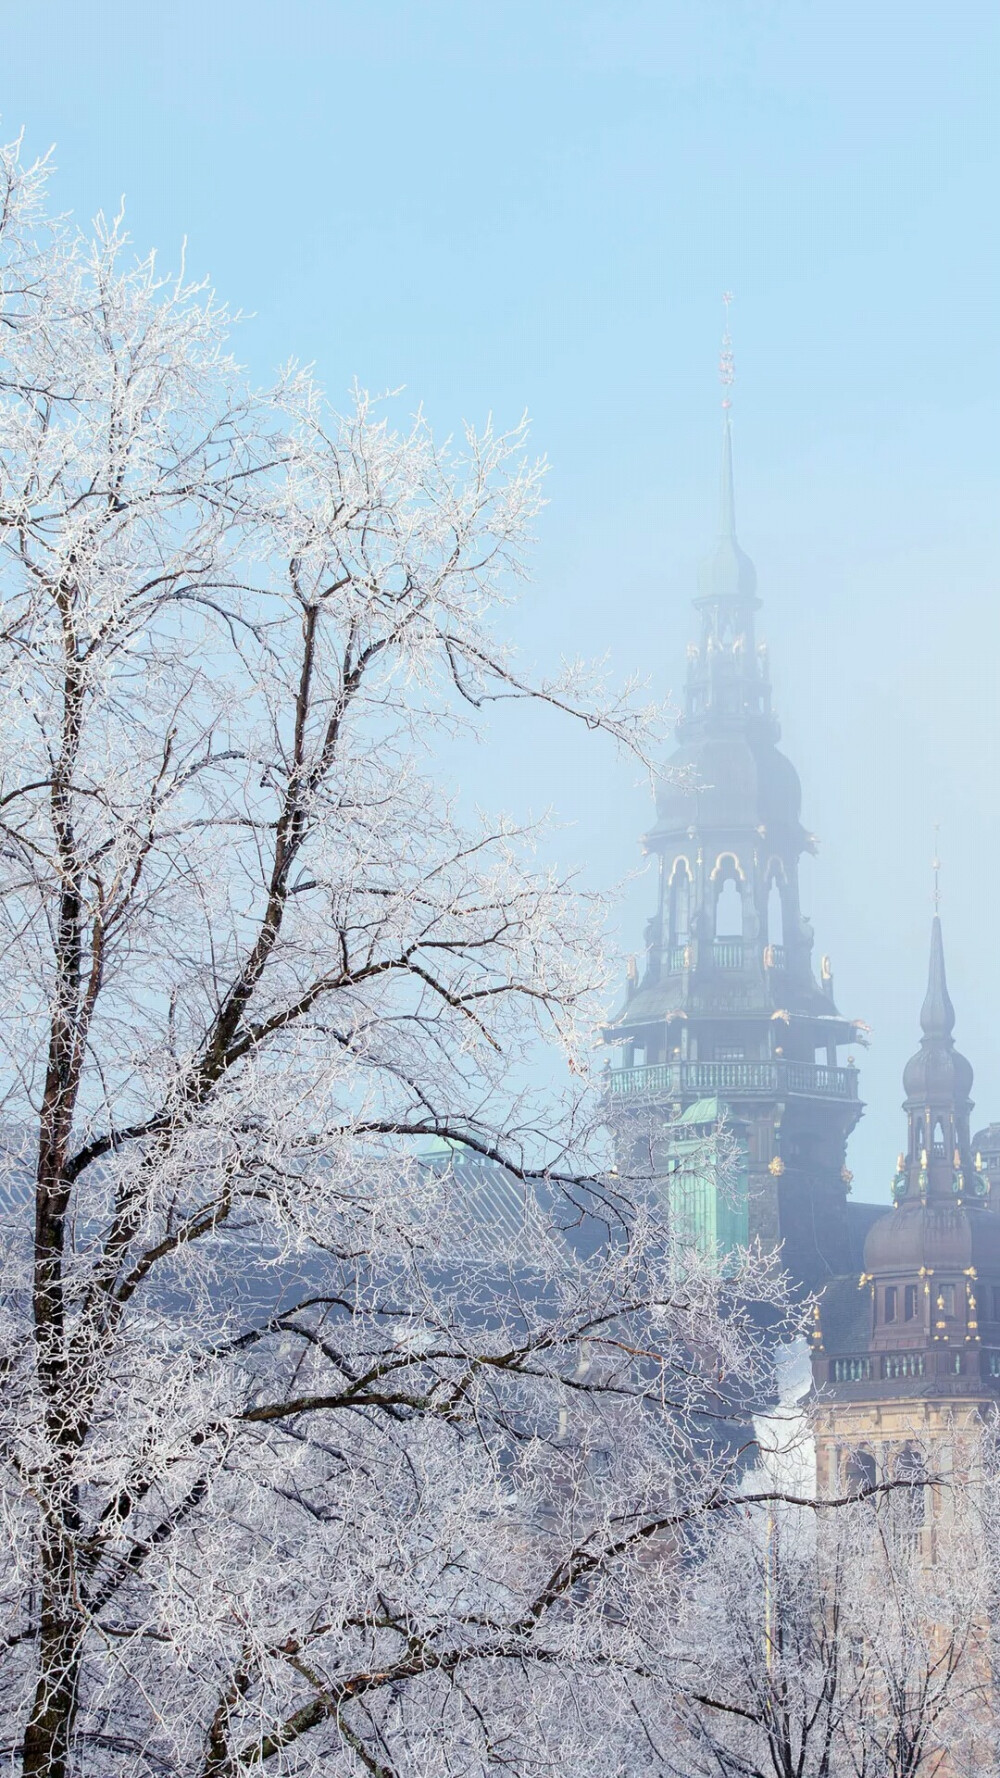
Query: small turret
x=940 y=1238
x=937 y=1081
x=925 y=1318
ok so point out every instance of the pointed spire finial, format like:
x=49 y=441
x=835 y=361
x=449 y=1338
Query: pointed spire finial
x=727 y=377
x=936 y=867
x=937 y=1015
x=727 y=363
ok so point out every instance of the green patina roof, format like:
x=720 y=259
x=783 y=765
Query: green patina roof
x=703 y=1111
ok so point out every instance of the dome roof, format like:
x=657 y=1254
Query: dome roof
x=739 y=780
x=727 y=573
x=780 y=788
x=937 y=1072
x=937 y=1235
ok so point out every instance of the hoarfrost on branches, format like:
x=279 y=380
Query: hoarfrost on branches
x=316 y=1457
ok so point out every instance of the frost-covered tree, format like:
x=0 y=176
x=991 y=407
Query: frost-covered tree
x=845 y=1643
x=316 y=1458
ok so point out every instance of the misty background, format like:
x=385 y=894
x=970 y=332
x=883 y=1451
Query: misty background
x=538 y=205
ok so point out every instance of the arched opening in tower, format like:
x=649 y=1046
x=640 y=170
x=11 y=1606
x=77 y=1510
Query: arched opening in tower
x=775 y=915
x=729 y=910
x=680 y=905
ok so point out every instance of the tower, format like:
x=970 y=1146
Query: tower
x=726 y=1015
x=906 y=1360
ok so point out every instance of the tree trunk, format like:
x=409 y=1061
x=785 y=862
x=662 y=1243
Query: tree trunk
x=50 y=1726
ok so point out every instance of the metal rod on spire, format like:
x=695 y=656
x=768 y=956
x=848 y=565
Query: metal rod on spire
x=936 y=867
x=727 y=362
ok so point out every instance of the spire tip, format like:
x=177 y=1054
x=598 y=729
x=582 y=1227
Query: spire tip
x=727 y=362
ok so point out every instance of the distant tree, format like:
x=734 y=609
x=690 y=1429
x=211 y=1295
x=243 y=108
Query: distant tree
x=315 y=1459
x=843 y=1644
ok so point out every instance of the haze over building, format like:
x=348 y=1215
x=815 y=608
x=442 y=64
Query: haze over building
x=729 y=1019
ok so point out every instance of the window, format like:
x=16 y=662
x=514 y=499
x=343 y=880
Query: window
x=860 y=1473
x=729 y=1052
x=890 y=1302
x=996 y=1303
x=911 y=1300
x=909 y=1468
x=729 y=911
x=946 y=1302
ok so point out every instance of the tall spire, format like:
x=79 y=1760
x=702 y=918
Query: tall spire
x=728 y=574
x=727 y=377
x=937 y=1015
x=727 y=502
x=937 y=1082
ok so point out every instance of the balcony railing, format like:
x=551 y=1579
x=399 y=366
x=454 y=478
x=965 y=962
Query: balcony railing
x=900 y=1367
x=851 y=1370
x=903 y=1364
x=777 y=1077
x=727 y=953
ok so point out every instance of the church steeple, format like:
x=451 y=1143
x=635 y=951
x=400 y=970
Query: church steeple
x=728 y=574
x=937 y=1081
x=937 y=1015
x=931 y=1267
x=727 y=673
x=727 y=501
x=726 y=1011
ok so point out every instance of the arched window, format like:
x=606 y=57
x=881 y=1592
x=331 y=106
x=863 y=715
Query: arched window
x=938 y=1144
x=860 y=1473
x=680 y=904
x=775 y=917
x=911 y=1470
x=729 y=910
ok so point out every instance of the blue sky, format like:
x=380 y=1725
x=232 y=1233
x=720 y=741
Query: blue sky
x=537 y=206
